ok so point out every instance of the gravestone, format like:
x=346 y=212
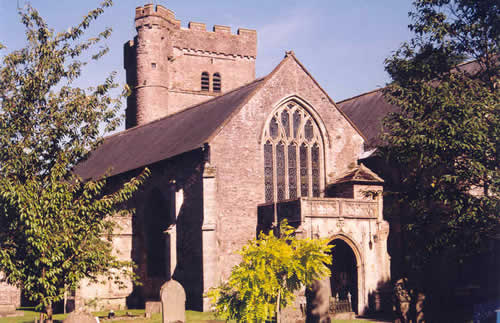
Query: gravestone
x=173 y=302
x=153 y=307
x=80 y=317
x=10 y=298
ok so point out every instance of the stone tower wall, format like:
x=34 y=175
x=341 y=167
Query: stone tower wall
x=165 y=61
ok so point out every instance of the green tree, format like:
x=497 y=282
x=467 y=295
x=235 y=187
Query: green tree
x=445 y=140
x=55 y=228
x=271 y=270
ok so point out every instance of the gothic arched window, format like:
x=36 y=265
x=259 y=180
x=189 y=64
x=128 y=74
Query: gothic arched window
x=216 y=82
x=293 y=154
x=205 y=81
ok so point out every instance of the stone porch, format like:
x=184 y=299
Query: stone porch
x=356 y=223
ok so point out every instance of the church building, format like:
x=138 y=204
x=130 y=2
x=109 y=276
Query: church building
x=231 y=155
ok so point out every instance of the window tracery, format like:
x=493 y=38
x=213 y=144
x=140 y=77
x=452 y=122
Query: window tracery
x=293 y=154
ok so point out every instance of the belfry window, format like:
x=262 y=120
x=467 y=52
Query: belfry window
x=293 y=154
x=216 y=82
x=205 y=81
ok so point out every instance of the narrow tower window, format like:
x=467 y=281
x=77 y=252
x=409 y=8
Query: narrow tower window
x=217 y=82
x=205 y=81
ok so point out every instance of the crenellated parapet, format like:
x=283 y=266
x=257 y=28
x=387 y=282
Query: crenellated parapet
x=155 y=16
x=219 y=40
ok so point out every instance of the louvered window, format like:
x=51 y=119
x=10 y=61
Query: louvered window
x=205 y=81
x=217 y=82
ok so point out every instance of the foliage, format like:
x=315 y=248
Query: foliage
x=271 y=270
x=445 y=140
x=55 y=228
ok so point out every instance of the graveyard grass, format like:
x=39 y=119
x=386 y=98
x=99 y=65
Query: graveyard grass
x=191 y=317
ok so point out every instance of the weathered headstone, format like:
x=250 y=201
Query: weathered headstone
x=318 y=301
x=80 y=317
x=153 y=307
x=173 y=302
x=10 y=298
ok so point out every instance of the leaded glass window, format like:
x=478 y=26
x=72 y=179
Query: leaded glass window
x=296 y=123
x=280 y=170
x=293 y=152
x=273 y=128
x=268 y=171
x=308 y=130
x=292 y=171
x=315 y=170
x=285 y=123
x=304 y=173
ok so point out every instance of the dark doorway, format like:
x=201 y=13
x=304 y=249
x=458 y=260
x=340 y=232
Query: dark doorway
x=344 y=279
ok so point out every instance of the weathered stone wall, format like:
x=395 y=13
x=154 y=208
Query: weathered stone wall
x=106 y=294
x=165 y=61
x=181 y=175
x=186 y=68
x=158 y=200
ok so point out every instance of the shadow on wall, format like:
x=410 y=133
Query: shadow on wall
x=155 y=213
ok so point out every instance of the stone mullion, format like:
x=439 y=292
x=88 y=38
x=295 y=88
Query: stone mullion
x=297 y=170
x=321 y=169
x=275 y=172
x=287 y=188
x=309 y=171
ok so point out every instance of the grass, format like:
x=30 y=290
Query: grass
x=191 y=317
x=30 y=315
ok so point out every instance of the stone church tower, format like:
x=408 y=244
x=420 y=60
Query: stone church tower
x=170 y=67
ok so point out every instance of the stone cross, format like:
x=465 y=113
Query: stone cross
x=173 y=302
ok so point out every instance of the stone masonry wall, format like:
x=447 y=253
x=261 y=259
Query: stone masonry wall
x=179 y=175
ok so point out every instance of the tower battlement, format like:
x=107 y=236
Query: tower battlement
x=196 y=37
x=159 y=16
x=151 y=10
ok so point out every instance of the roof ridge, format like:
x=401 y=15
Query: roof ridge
x=360 y=95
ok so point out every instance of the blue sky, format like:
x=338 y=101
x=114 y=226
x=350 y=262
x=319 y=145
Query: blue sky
x=343 y=43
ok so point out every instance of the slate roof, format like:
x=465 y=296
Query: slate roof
x=175 y=134
x=361 y=174
x=367 y=111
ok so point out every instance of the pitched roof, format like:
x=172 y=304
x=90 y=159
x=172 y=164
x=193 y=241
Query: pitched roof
x=360 y=173
x=367 y=111
x=175 y=134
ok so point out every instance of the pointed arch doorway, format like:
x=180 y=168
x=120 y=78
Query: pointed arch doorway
x=344 y=280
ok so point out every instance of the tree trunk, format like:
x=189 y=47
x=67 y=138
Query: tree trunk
x=48 y=311
x=278 y=319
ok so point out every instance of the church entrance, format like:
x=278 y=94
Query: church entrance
x=344 y=278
